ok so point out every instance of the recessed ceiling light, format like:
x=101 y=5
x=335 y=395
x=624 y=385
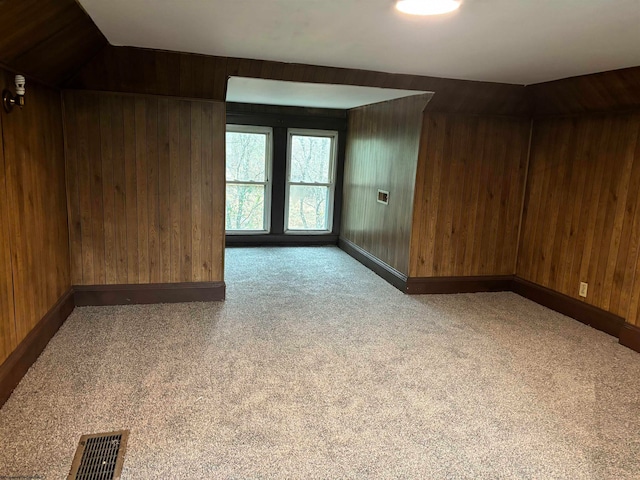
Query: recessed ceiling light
x=427 y=7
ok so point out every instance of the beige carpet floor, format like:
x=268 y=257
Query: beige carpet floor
x=316 y=368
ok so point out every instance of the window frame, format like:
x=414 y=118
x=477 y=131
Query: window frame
x=266 y=216
x=309 y=132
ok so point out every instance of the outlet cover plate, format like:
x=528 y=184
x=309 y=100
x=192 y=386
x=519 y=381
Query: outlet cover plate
x=383 y=197
x=583 y=289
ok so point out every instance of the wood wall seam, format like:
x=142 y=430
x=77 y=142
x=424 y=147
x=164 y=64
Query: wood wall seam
x=524 y=195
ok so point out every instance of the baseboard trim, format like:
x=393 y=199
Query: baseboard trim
x=27 y=352
x=630 y=337
x=595 y=317
x=373 y=263
x=484 y=283
x=280 y=240
x=583 y=312
x=99 y=295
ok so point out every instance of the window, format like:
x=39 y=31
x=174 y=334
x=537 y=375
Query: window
x=248 y=172
x=311 y=159
x=297 y=196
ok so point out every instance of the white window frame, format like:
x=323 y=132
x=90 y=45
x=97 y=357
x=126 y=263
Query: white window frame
x=333 y=135
x=268 y=131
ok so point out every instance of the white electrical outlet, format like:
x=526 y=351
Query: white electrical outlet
x=583 y=289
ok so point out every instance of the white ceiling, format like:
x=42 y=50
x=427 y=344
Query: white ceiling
x=295 y=94
x=514 y=41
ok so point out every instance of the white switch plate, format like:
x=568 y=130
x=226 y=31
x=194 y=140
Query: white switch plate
x=583 y=289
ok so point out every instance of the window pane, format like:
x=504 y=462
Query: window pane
x=246 y=156
x=310 y=159
x=308 y=208
x=245 y=207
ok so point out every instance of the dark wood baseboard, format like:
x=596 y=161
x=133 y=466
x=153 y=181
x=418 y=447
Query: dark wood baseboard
x=148 y=293
x=484 y=283
x=630 y=337
x=390 y=274
x=597 y=318
x=280 y=240
x=28 y=351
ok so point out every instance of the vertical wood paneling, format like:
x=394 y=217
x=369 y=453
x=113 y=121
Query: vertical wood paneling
x=382 y=153
x=153 y=181
x=196 y=190
x=108 y=191
x=156 y=212
x=581 y=219
x=131 y=190
x=141 y=187
x=174 y=195
x=184 y=112
x=8 y=339
x=468 y=195
x=119 y=187
x=34 y=208
x=164 y=191
x=207 y=194
x=216 y=171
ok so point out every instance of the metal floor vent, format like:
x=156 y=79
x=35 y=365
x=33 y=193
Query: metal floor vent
x=99 y=456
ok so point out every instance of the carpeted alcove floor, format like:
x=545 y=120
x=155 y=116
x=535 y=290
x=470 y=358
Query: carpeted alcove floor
x=314 y=367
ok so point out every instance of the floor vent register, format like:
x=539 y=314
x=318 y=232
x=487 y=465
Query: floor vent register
x=99 y=456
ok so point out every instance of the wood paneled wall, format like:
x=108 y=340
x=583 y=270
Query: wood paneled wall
x=382 y=153
x=145 y=188
x=137 y=70
x=581 y=221
x=33 y=215
x=469 y=188
x=8 y=340
x=599 y=92
x=47 y=39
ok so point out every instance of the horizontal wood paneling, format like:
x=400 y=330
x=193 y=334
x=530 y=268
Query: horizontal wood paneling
x=136 y=70
x=600 y=92
x=581 y=220
x=36 y=205
x=469 y=188
x=382 y=153
x=47 y=39
x=145 y=188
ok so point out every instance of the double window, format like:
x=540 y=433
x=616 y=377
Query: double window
x=310 y=180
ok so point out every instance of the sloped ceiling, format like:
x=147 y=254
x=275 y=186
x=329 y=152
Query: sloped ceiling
x=48 y=40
